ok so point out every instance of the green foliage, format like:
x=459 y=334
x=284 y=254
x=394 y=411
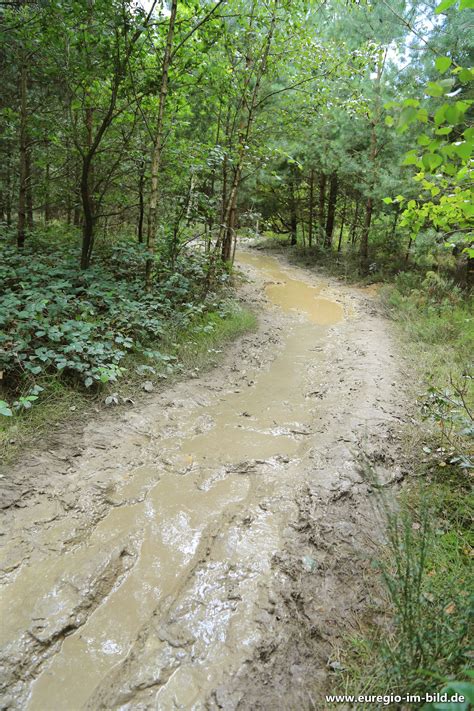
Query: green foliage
x=443 y=159
x=427 y=578
x=431 y=621
x=80 y=325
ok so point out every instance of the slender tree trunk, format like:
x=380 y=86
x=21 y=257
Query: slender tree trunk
x=29 y=191
x=77 y=196
x=229 y=219
x=88 y=217
x=333 y=188
x=394 y=225
x=311 y=208
x=189 y=206
x=23 y=168
x=156 y=157
x=87 y=195
x=47 y=196
x=8 y=196
x=69 y=187
x=355 y=222
x=364 y=238
x=322 y=201
x=141 y=204
x=343 y=217
x=293 y=212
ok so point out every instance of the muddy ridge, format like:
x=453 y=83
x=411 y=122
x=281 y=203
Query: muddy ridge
x=209 y=547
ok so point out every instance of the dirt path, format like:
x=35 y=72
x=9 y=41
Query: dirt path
x=207 y=548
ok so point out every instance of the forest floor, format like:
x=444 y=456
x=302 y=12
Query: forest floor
x=210 y=546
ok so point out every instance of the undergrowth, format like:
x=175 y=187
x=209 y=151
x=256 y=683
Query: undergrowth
x=421 y=641
x=70 y=338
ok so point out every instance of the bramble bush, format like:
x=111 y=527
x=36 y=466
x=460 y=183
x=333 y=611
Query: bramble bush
x=56 y=319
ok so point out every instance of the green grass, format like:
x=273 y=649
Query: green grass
x=420 y=639
x=198 y=347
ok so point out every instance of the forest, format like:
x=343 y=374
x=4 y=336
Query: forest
x=144 y=145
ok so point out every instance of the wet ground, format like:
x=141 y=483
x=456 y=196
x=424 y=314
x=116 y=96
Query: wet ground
x=207 y=548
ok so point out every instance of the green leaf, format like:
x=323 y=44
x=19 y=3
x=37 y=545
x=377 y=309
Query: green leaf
x=434 y=89
x=466 y=5
x=431 y=161
x=389 y=120
x=462 y=107
x=443 y=131
x=466 y=75
x=469 y=134
x=452 y=114
x=442 y=64
x=422 y=115
x=387 y=200
x=445 y=5
x=410 y=159
x=5 y=409
x=440 y=114
x=423 y=140
x=407 y=116
x=464 y=150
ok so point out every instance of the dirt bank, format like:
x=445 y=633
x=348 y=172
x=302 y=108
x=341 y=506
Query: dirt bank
x=207 y=548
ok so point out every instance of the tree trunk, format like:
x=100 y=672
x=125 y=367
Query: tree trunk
x=88 y=216
x=229 y=219
x=156 y=157
x=364 y=238
x=29 y=191
x=354 y=223
x=23 y=167
x=87 y=195
x=141 y=204
x=77 y=196
x=343 y=217
x=293 y=212
x=311 y=208
x=322 y=200
x=8 y=196
x=394 y=225
x=333 y=187
x=47 y=204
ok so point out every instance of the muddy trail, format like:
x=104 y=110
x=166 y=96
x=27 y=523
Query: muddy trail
x=209 y=547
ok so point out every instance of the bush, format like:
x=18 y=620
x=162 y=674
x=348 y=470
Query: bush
x=56 y=319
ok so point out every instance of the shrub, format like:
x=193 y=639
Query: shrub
x=56 y=319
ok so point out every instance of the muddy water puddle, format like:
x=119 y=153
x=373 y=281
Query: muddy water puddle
x=291 y=293
x=189 y=538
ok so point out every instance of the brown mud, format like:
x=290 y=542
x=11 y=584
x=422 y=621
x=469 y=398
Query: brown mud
x=209 y=547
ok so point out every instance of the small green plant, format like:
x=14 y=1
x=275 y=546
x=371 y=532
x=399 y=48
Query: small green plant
x=450 y=410
x=5 y=409
x=426 y=577
x=452 y=688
